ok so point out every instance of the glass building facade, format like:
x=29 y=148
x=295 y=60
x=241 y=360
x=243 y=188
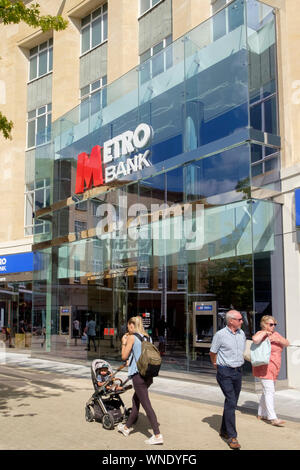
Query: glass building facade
x=188 y=234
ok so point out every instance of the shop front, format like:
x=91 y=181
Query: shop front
x=16 y=274
x=158 y=201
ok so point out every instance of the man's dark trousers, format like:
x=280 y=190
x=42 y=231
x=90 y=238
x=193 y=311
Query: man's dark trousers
x=230 y=381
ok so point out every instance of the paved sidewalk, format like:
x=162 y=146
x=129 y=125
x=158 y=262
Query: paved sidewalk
x=287 y=402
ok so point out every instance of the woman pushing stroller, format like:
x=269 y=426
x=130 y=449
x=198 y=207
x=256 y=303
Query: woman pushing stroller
x=131 y=350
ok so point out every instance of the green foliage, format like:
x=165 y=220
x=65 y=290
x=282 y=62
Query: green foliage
x=15 y=12
x=12 y=12
x=5 y=126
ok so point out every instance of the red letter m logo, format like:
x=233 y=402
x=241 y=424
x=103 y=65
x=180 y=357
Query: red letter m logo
x=89 y=169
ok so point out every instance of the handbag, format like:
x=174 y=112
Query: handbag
x=260 y=353
x=247 y=355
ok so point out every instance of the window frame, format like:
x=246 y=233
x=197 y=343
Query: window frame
x=88 y=25
x=48 y=48
x=264 y=159
x=88 y=96
x=226 y=9
x=48 y=118
x=149 y=9
x=152 y=56
x=35 y=187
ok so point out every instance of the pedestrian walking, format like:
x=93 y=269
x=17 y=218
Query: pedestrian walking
x=131 y=350
x=268 y=373
x=227 y=356
x=76 y=330
x=91 y=333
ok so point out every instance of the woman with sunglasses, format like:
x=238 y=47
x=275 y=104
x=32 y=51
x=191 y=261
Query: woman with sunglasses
x=268 y=373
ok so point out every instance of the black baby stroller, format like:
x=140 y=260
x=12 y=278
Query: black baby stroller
x=106 y=404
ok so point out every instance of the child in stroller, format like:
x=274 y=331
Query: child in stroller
x=103 y=376
x=106 y=405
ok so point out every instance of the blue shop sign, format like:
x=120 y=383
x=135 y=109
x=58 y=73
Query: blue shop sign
x=204 y=308
x=297 y=206
x=19 y=263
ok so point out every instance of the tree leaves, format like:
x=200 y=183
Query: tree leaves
x=14 y=13
x=5 y=126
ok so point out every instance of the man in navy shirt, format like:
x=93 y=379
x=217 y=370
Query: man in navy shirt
x=227 y=356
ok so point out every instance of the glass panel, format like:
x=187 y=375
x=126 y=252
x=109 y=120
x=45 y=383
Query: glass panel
x=31 y=134
x=104 y=97
x=96 y=32
x=33 y=68
x=32 y=114
x=34 y=50
x=256 y=153
x=257 y=169
x=41 y=127
x=271 y=116
x=256 y=116
x=43 y=56
x=157 y=64
x=39 y=199
x=85 y=90
x=96 y=13
x=95 y=102
x=219 y=24
x=144 y=6
x=42 y=46
x=236 y=14
x=84 y=109
x=95 y=85
x=104 y=22
x=85 y=39
x=85 y=20
x=29 y=209
x=50 y=59
x=270 y=150
x=217 y=5
x=42 y=110
x=271 y=164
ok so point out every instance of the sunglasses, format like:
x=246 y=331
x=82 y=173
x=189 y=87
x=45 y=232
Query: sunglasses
x=272 y=324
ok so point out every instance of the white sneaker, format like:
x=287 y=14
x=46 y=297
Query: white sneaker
x=155 y=440
x=121 y=428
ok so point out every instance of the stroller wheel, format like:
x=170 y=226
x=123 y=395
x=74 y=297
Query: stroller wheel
x=89 y=415
x=108 y=421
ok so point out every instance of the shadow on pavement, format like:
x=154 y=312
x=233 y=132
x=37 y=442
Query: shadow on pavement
x=249 y=408
x=18 y=387
x=142 y=426
x=214 y=422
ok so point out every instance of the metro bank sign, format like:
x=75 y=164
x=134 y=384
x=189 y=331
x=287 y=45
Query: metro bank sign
x=102 y=166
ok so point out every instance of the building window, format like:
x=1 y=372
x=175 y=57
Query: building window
x=263 y=109
x=80 y=227
x=156 y=60
x=227 y=19
x=37 y=196
x=264 y=159
x=94 y=29
x=146 y=5
x=39 y=126
x=41 y=60
x=93 y=98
